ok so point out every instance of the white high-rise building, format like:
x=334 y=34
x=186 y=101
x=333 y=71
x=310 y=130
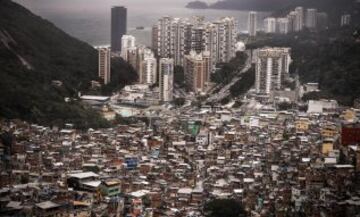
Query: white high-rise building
x=197 y=38
x=270 y=25
x=146 y=65
x=166 y=79
x=283 y=25
x=226 y=39
x=163 y=37
x=345 y=19
x=149 y=68
x=271 y=68
x=311 y=18
x=252 y=23
x=212 y=45
x=299 y=22
x=140 y=54
x=292 y=21
x=104 y=69
x=177 y=40
x=127 y=43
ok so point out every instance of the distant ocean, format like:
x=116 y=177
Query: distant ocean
x=89 y=20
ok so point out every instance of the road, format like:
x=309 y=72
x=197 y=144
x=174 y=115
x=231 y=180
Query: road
x=224 y=91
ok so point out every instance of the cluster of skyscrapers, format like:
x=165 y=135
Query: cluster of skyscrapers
x=196 y=45
x=140 y=58
x=143 y=60
x=296 y=20
x=272 y=68
x=192 y=43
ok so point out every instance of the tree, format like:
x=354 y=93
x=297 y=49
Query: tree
x=227 y=71
x=224 y=207
x=28 y=93
x=179 y=77
x=179 y=101
x=244 y=84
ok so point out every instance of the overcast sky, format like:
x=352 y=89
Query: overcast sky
x=76 y=5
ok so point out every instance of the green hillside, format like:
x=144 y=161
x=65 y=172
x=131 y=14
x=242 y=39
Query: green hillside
x=331 y=58
x=33 y=52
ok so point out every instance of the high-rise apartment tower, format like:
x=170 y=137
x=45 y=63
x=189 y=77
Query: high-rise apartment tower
x=104 y=69
x=252 y=23
x=271 y=68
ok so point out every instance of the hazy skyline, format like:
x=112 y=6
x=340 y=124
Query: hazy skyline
x=98 y=5
x=89 y=20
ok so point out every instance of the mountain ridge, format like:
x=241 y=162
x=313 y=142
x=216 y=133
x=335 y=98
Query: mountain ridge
x=33 y=53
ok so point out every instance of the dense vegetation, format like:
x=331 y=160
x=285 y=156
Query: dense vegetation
x=227 y=71
x=224 y=207
x=179 y=101
x=240 y=87
x=121 y=74
x=26 y=89
x=179 y=77
x=244 y=84
x=331 y=57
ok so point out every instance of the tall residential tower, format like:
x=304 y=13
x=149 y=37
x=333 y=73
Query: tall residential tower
x=252 y=23
x=299 y=19
x=197 y=71
x=127 y=44
x=272 y=66
x=311 y=18
x=270 y=25
x=104 y=64
x=166 y=79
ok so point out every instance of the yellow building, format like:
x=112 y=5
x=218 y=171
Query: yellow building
x=302 y=125
x=349 y=115
x=327 y=147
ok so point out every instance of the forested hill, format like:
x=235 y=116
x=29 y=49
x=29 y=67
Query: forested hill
x=33 y=53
